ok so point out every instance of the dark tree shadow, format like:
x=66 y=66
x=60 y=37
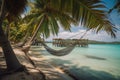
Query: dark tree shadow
x=62 y=64
x=23 y=76
x=86 y=73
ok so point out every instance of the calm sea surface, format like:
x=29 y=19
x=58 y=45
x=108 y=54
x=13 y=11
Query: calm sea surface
x=77 y=59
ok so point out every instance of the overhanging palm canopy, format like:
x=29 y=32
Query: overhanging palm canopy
x=66 y=12
x=13 y=8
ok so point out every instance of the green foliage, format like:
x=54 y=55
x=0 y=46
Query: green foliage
x=53 y=18
x=17 y=31
x=63 y=13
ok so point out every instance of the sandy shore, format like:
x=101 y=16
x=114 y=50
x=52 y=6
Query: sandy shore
x=34 y=72
x=52 y=70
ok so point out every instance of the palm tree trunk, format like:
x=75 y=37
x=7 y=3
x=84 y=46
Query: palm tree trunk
x=35 y=33
x=27 y=47
x=11 y=60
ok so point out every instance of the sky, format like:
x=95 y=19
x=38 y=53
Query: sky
x=78 y=31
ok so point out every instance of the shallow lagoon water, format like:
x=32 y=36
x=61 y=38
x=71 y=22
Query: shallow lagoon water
x=78 y=60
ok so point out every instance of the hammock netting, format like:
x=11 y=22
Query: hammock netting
x=61 y=52
x=64 y=51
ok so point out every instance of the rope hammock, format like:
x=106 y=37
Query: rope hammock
x=64 y=51
x=61 y=52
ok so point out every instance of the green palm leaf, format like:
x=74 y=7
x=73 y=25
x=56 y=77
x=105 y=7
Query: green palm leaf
x=89 y=13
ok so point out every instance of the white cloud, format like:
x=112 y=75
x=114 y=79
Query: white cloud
x=101 y=36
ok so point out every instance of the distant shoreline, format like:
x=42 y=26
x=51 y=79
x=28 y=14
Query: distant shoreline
x=95 y=42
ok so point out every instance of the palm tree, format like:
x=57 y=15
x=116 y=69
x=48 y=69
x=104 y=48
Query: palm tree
x=46 y=14
x=46 y=20
x=13 y=8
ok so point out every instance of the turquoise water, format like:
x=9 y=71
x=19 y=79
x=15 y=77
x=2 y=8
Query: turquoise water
x=77 y=59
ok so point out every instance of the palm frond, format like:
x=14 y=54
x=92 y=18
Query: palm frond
x=92 y=16
x=89 y=13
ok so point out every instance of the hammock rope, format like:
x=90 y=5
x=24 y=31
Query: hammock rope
x=84 y=33
x=61 y=52
x=64 y=51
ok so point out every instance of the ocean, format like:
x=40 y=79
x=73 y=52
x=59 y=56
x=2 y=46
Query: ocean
x=97 y=61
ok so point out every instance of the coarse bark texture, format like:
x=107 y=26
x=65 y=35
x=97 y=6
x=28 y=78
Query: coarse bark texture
x=26 y=48
x=11 y=60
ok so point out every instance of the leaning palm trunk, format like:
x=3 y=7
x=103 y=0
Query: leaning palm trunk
x=28 y=45
x=35 y=33
x=11 y=60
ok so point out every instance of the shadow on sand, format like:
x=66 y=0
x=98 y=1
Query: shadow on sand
x=84 y=72
x=22 y=76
